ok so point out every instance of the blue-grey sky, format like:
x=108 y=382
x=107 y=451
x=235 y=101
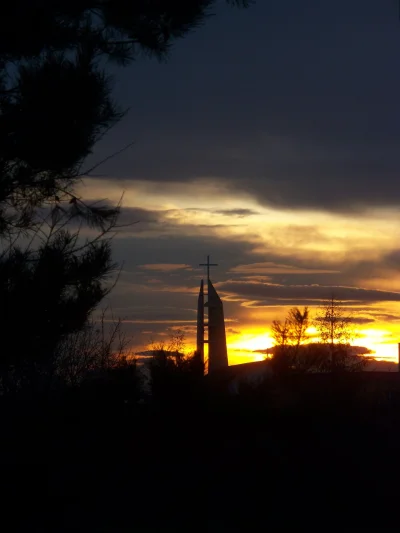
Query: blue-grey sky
x=283 y=95
x=271 y=137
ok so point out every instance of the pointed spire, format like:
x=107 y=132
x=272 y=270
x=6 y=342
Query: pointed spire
x=217 y=350
x=200 y=323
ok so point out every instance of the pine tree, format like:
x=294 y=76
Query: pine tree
x=55 y=104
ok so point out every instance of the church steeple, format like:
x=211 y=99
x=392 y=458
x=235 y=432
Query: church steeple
x=200 y=323
x=217 y=350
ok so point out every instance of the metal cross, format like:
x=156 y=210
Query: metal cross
x=208 y=265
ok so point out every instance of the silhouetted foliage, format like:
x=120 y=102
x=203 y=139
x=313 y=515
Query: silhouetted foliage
x=114 y=390
x=317 y=357
x=55 y=98
x=94 y=350
x=288 y=337
x=299 y=322
x=333 y=353
x=46 y=295
x=323 y=435
x=335 y=328
x=175 y=376
x=55 y=104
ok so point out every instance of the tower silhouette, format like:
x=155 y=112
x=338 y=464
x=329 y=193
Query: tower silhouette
x=215 y=325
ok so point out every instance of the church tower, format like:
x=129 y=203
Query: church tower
x=200 y=323
x=217 y=350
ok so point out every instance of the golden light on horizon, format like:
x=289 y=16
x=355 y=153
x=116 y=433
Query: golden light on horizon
x=246 y=345
x=280 y=246
x=251 y=340
x=243 y=348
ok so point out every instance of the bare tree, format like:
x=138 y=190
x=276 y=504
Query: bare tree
x=100 y=346
x=174 y=372
x=174 y=348
x=334 y=323
x=335 y=326
x=293 y=331
x=281 y=333
x=299 y=322
x=288 y=336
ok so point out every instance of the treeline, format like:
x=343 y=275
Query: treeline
x=111 y=452
x=333 y=352
x=114 y=449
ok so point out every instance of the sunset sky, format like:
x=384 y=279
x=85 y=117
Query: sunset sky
x=271 y=141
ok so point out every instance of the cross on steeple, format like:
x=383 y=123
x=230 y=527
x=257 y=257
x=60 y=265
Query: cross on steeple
x=208 y=265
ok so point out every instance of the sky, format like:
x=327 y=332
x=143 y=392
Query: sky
x=269 y=140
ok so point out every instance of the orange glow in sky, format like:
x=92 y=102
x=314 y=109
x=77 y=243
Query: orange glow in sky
x=281 y=256
x=241 y=348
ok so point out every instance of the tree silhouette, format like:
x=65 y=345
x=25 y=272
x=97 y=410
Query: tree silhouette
x=55 y=98
x=175 y=374
x=288 y=337
x=335 y=328
x=299 y=322
x=94 y=350
x=55 y=104
x=281 y=333
x=291 y=332
x=47 y=294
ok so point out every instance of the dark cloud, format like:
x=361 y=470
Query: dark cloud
x=294 y=103
x=384 y=266
x=387 y=317
x=160 y=240
x=297 y=106
x=271 y=294
x=180 y=248
x=151 y=301
x=272 y=268
x=241 y=213
x=391 y=259
x=168 y=298
x=164 y=222
x=165 y=267
x=360 y=320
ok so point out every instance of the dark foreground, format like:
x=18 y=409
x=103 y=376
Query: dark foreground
x=270 y=459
